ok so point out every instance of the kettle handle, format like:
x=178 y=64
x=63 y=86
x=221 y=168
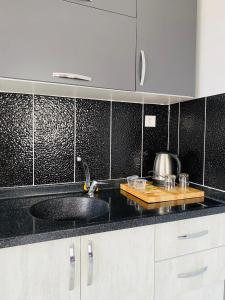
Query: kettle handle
x=174 y=156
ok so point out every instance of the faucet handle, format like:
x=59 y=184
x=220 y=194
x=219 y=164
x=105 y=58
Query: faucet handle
x=94 y=185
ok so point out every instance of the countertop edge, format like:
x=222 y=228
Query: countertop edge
x=21 y=240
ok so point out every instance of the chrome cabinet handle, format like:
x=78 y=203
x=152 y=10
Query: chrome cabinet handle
x=71 y=76
x=193 y=274
x=72 y=268
x=90 y=264
x=143 y=68
x=193 y=235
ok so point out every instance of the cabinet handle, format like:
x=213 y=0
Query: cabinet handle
x=90 y=264
x=193 y=274
x=193 y=235
x=143 y=68
x=72 y=268
x=71 y=76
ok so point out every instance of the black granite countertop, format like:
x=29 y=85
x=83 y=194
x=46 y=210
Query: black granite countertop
x=19 y=227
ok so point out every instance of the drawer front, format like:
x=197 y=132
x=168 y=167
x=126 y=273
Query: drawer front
x=188 y=236
x=125 y=7
x=189 y=275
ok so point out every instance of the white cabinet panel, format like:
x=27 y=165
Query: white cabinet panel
x=211 y=292
x=190 y=274
x=40 y=271
x=188 y=236
x=123 y=265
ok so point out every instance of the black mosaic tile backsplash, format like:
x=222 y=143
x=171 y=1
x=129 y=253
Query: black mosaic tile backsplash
x=41 y=136
x=54 y=140
x=215 y=142
x=16 y=140
x=126 y=139
x=174 y=118
x=192 y=121
x=202 y=140
x=155 y=139
x=93 y=138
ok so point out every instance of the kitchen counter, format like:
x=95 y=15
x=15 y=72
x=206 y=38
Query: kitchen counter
x=18 y=227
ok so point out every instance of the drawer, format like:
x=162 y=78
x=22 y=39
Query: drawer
x=188 y=236
x=125 y=7
x=192 y=274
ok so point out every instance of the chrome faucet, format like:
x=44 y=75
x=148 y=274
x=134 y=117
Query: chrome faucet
x=91 y=187
x=86 y=172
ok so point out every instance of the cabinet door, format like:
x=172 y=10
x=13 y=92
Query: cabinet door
x=44 y=271
x=191 y=276
x=126 y=7
x=41 y=37
x=167 y=35
x=123 y=265
x=211 y=292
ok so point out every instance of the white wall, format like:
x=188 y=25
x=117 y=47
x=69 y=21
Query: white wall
x=210 y=48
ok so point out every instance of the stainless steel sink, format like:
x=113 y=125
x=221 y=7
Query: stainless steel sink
x=71 y=208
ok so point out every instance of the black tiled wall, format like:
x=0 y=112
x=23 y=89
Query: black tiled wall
x=215 y=142
x=93 y=137
x=41 y=136
x=155 y=138
x=174 y=124
x=202 y=140
x=16 y=140
x=126 y=139
x=53 y=140
x=192 y=121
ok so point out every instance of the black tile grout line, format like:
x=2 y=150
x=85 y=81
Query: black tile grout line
x=53 y=184
x=110 y=141
x=204 y=146
x=168 y=129
x=142 y=138
x=75 y=137
x=33 y=130
x=178 y=130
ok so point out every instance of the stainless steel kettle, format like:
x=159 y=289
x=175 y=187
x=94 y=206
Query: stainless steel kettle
x=163 y=165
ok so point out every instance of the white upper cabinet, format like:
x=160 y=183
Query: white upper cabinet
x=44 y=271
x=118 y=265
x=166 y=46
x=126 y=7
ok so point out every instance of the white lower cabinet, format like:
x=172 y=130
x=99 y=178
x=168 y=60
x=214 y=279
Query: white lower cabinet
x=44 y=271
x=118 y=265
x=196 y=276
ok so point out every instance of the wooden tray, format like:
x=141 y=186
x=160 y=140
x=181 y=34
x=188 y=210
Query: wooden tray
x=157 y=205
x=157 y=194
